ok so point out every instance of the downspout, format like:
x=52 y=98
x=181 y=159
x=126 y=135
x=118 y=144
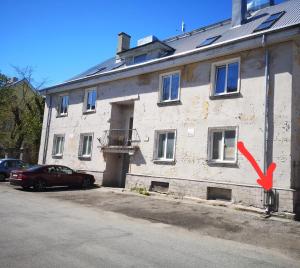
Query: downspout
x=267 y=86
x=47 y=131
x=268 y=194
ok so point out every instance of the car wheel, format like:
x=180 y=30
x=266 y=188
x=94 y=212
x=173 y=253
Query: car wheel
x=2 y=177
x=39 y=186
x=86 y=183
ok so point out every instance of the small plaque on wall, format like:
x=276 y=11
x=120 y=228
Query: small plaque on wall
x=191 y=132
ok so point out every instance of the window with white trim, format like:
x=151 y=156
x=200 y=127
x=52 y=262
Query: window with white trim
x=90 y=100
x=169 y=87
x=165 y=145
x=226 y=76
x=85 y=145
x=58 y=145
x=223 y=145
x=63 y=105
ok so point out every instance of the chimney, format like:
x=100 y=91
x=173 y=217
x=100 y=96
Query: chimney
x=242 y=8
x=123 y=42
x=239 y=12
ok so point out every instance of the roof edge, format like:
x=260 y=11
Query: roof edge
x=185 y=53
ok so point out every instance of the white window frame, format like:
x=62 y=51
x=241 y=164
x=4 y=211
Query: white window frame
x=210 y=144
x=161 y=76
x=214 y=67
x=80 y=152
x=55 y=137
x=156 y=144
x=60 y=98
x=85 y=103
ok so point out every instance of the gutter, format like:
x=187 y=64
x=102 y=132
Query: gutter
x=168 y=58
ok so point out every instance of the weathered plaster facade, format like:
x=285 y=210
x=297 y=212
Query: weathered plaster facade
x=191 y=174
x=268 y=124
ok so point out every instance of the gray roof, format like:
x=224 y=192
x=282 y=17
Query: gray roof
x=189 y=41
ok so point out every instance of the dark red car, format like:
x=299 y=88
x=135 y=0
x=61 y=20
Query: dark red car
x=40 y=177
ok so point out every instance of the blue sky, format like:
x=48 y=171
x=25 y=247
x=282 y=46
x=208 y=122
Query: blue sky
x=60 y=39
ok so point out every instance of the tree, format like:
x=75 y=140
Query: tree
x=21 y=113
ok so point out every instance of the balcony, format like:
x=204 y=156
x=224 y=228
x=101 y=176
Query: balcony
x=120 y=141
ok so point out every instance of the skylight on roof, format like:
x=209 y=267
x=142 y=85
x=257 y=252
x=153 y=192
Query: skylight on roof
x=209 y=41
x=270 y=21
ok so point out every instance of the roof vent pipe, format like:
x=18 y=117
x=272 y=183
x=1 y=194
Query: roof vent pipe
x=239 y=12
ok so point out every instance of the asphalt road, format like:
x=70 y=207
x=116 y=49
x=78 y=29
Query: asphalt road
x=38 y=231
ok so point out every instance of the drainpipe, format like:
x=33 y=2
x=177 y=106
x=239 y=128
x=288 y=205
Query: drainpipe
x=47 y=131
x=268 y=195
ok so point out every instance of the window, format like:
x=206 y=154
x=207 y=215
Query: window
x=226 y=78
x=64 y=170
x=170 y=84
x=270 y=21
x=58 y=145
x=63 y=105
x=209 y=41
x=254 y=5
x=165 y=145
x=90 y=100
x=139 y=58
x=85 y=145
x=223 y=145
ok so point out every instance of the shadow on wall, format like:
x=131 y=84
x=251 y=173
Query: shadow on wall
x=297 y=205
x=138 y=158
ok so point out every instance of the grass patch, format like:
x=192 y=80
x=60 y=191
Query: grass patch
x=140 y=190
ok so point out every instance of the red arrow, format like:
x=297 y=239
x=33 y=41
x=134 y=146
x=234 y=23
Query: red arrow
x=264 y=180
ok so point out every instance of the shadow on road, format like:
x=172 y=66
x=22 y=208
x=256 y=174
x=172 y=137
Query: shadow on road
x=60 y=189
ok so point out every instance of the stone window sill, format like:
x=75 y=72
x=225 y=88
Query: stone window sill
x=85 y=158
x=61 y=115
x=89 y=112
x=226 y=96
x=57 y=156
x=164 y=162
x=168 y=103
x=222 y=164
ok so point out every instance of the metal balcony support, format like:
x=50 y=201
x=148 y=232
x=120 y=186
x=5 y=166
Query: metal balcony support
x=120 y=141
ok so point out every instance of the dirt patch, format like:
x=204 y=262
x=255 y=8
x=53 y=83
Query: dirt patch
x=226 y=223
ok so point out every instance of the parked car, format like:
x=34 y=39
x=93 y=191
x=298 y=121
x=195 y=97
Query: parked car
x=9 y=164
x=40 y=177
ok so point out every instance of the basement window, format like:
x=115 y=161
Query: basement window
x=216 y=193
x=222 y=145
x=209 y=41
x=270 y=21
x=159 y=186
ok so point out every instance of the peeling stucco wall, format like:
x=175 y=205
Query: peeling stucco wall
x=196 y=111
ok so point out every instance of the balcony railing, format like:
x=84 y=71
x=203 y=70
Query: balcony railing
x=120 y=138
